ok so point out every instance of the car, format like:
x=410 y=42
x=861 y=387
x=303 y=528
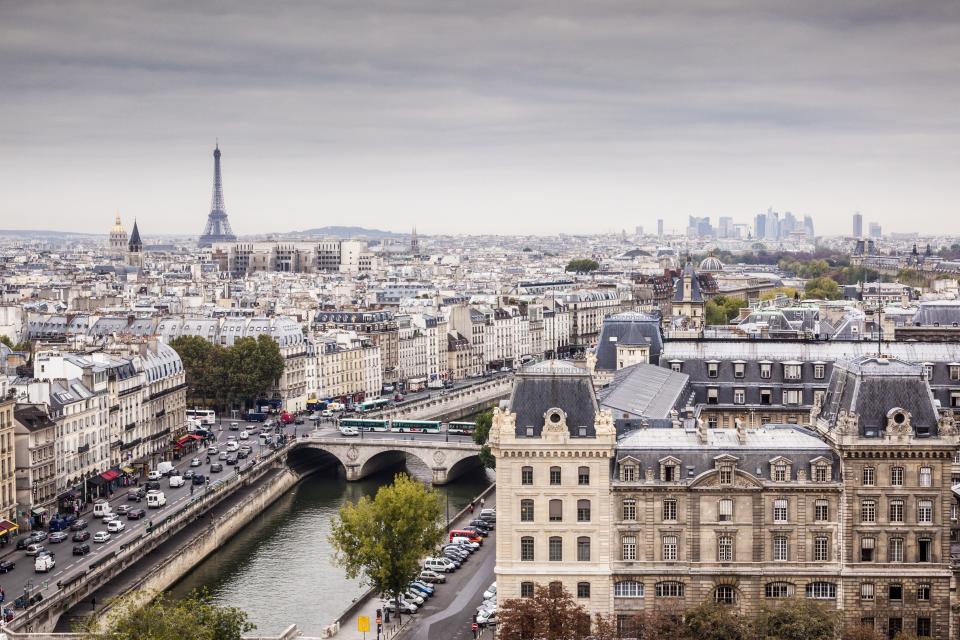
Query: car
x=39 y=536
x=110 y=517
x=136 y=514
x=123 y=509
x=242 y=454
x=80 y=536
x=232 y=459
x=422 y=588
x=326 y=413
x=411 y=596
x=188 y=474
x=58 y=536
x=490 y=592
x=487 y=616
x=488 y=514
x=35 y=549
x=349 y=431
x=175 y=481
x=101 y=536
x=136 y=494
x=154 y=475
x=152 y=486
x=116 y=526
x=298 y=420
x=223 y=456
x=199 y=479
x=7 y=566
x=216 y=467
x=405 y=607
x=489 y=525
x=234 y=426
x=81 y=549
x=244 y=435
x=232 y=445
x=431 y=577
x=212 y=451
x=195 y=462
x=23 y=543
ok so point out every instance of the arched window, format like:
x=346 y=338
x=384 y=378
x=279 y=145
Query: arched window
x=583 y=549
x=628 y=589
x=526 y=548
x=556 y=510
x=583 y=476
x=583 y=511
x=555 y=475
x=526 y=475
x=555 y=548
x=526 y=511
x=725 y=594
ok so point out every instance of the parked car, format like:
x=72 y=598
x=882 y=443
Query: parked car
x=405 y=607
x=81 y=549
x=136 y=514
x=116 y=526
x=58 y=536
x=488 y=514
x=489 y=525
x=7 y=565
x=80 y=536
x=101 y=536
x=195 y=462
x=432 y=577
x=490 y=592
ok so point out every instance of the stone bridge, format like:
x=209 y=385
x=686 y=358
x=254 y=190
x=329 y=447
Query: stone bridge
x=362 y=457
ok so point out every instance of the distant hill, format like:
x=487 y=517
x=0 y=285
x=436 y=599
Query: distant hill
x=44 y=233
x=347 y=232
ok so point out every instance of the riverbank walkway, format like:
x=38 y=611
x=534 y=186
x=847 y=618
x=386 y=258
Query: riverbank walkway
x=449 y=613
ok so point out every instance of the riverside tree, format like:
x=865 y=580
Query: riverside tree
x=550 y=614
x=384 y=539
x=165 y=618
x=481 y=433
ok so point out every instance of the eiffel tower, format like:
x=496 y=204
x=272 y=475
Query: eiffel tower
x=218 y=227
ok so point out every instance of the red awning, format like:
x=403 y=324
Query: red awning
x=194 y=436
x=7 y=527
x=109 y=475
x=183 y=439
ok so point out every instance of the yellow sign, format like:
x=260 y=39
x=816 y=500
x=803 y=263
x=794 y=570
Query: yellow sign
x=363 y=623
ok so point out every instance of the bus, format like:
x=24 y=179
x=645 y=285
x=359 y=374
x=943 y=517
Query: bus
x=416 y=426
x=464 y=428
x=362 y=424
x=205 y=416
x=373 y=405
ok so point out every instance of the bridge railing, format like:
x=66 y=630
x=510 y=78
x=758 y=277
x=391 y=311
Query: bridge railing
x=133 y=550
x=440 y=401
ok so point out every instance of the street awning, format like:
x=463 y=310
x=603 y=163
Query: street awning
x=97 y=480
x=7 y=527
x=128 y=470
x=39 y=511
x=110 y=475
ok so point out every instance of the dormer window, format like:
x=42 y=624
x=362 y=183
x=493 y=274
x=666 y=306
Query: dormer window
x=820 y=470
x=713 y=369
x=676 y=366
x=791 y=371
x=669 y=469
x=628 y=472
x=726 y=474
x=765 y=369
x=928 y=370
x=780 y=469
x=954 y=372
x=739 y=369
x=819 y=371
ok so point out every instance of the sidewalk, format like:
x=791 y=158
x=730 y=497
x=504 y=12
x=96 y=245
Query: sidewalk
x=372 y=602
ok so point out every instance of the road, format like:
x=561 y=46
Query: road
x=23 y=577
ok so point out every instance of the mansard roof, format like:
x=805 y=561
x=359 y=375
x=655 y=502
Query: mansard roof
x=553 y=384
x=629 y=328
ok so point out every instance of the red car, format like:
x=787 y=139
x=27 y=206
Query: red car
x=287 y=418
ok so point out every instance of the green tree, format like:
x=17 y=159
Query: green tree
x=823 y=288
x=7 y=341
x=773 y=293
x=385 y=538
x=481 y=433
x=861 y=632
x=721 y=309
x=551 y=614
x=711 y=621
x=798 y=619
x=196 y=354
x=165 y=618
x=583 y=265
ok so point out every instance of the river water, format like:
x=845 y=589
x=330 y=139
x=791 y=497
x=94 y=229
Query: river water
x=279 y=568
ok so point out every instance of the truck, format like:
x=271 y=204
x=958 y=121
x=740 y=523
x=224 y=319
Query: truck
x=435 y=384
x=256 y=416
x=165 y=468
x=156 y=499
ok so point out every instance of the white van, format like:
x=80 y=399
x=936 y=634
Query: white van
x=44 y=563
x=156 y=499
x=176 y=480
x=439 y=564
x=101 y=509
x=165 y=468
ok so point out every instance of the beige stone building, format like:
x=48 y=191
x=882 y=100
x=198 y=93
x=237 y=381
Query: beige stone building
x=855 y=513
x=8 y=486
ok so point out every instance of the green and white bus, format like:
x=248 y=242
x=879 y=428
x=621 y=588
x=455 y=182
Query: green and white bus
x=362 y=424
x=373 y=405
x=416 y=426
x=463 y=428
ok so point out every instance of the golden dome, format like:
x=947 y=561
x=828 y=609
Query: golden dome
x=118 y=227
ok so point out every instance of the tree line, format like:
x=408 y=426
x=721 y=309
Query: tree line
x=222 y=377
x=552 y=613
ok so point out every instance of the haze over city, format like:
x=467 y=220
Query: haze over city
x=492 y=118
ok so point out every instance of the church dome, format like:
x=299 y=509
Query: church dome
x=118 y=227
x=711 y=264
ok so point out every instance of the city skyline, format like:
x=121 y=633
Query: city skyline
x=498 y=119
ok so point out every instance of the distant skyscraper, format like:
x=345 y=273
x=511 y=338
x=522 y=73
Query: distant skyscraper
x=660 y=228
x=725 y=226
x=773 y=224
x=808 y=226
x=857 y=225
x=760 y=226
x=218 y=227
x=638 y=231
x=875 y=230
x=699 y=227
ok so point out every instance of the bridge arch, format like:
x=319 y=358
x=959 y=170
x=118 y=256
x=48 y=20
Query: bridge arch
x=305 y=460
x=463 y=465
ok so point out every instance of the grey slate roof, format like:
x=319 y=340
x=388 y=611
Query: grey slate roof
x=553 y=384
x=942 y=313
x=627 y=328
x=645 y=391
x=695 y=294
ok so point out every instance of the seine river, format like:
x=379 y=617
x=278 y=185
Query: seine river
x=279 y=567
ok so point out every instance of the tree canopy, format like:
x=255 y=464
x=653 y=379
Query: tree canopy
x=721 y=309
x=822 y=288
x=223 y=376
x=583 y=265
x=166 y=618
x=797 y=619
x=551 y=614
x=481 y=433
x=384 y=539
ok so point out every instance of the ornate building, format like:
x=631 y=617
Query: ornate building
x=118 y=239
x=854 y=511
x=135 y=248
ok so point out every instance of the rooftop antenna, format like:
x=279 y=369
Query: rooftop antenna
x=879 y=323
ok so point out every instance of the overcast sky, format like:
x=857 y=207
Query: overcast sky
x=478 y=117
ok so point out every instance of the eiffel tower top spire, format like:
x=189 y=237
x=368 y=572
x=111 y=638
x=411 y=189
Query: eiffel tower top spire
x=218 y=226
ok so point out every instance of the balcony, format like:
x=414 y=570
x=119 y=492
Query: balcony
x=130 y=427
x=83 y=448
